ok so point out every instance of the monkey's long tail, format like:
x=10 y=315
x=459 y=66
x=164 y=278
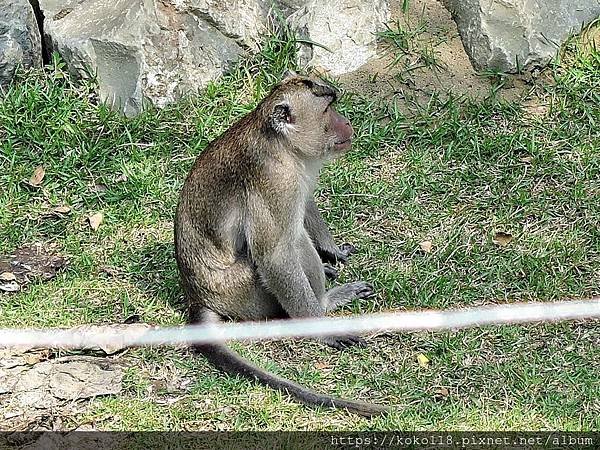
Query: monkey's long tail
x=229 y=361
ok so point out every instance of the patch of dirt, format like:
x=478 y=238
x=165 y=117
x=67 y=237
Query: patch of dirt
x=435 y=61
x=27 y=263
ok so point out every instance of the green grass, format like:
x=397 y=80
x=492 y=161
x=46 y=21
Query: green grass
x=410 y=48
x=454 y=173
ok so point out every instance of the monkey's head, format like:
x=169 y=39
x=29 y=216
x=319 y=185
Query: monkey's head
x=300 y=111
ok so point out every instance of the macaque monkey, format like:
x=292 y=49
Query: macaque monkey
x=248 y=233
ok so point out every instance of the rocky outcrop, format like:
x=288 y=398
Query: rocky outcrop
x=139 y=51
x=245 y=21
x=344 y=29
x=20 y=42
x=157 y=50
x=510 y=35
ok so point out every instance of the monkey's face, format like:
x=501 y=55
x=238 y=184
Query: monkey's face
x=342 y=130
x=305 y=117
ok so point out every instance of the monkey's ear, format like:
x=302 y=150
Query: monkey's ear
x=281 y=116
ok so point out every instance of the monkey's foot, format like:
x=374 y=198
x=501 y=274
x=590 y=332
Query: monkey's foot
x=346 y=250
x=345 y=293
x=336 y=254
x=343 y=342
x=330 y=272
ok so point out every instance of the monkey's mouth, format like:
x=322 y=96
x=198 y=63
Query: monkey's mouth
x=343 y=145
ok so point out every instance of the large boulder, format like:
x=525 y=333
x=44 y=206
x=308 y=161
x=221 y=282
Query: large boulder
x=510 y=35
x=139 y=50
x=345 y=31
x=20 y=42
x=245 y=21
x=156 y=50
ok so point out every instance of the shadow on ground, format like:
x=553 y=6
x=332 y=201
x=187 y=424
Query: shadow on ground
x=154 y=271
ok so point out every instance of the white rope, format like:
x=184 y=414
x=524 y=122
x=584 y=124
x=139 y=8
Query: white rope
x=101 y=337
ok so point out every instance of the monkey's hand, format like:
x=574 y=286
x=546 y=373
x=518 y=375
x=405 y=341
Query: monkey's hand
x=343 y=342
x=330 y=272
x=335 y=254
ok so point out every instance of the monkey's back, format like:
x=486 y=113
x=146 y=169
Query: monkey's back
x=210 y=242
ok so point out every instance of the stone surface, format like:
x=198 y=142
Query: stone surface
x=32 y=386
x=245 y=21
x=139 y=49
x=347 y=28
x=158 y=50
x=20 y=42
x=509 y=35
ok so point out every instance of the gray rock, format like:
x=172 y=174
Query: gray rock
x=86 y=378
x=142 y=50
x=245 y=21
x=346 y=28
x=31 y=385
x=20 y=42
x=157 y=50
x=510 y=35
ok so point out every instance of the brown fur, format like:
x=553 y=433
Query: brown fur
x=248 y=234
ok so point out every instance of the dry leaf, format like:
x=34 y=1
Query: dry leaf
x=527 y=159
x=534 y=108
x=590 y=39
x=7 y=276
x=423 y=360
x=61 y=209
x=34 y=357
x=95 y=220
x=426 y=246
x=442 y=391
x=502 y=239
x=37 y=177
x=121 y=178
x=321 y=365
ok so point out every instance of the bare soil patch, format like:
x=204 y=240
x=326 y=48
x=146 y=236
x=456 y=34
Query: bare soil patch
x=447 y=69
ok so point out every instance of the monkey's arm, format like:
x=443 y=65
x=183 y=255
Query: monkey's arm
x=281 y=271
x=322 y=239
x=277 y=247
x=286 y=262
